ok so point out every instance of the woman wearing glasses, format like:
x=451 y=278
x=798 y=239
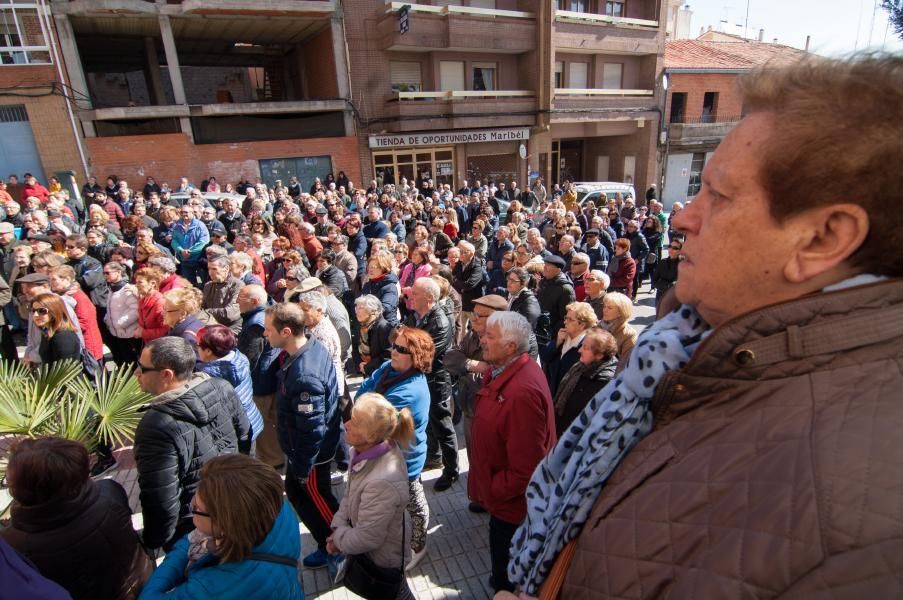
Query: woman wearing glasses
x=234 y=552
x=58 y=338
x=561 y=354
x=402 y=381
x=665 y=274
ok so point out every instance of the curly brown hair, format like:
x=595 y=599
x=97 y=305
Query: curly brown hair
x=421 y=346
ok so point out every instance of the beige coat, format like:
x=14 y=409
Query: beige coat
x=775 y=468
x=369 y=519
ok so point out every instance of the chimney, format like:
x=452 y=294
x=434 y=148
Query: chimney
x=761 y=35
x=808 y=39
x=774 y=41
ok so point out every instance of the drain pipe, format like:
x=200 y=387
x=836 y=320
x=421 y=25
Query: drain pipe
x=45 y=18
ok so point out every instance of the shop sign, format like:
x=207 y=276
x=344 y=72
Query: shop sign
x=439 y=138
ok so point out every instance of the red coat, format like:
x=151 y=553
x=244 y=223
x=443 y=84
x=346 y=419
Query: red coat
x=513 y=429
x=173 y=282
x=150 y=317
x=86 y=313
x=37 y=190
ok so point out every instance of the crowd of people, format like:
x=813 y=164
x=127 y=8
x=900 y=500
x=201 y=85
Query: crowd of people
x=246 y=318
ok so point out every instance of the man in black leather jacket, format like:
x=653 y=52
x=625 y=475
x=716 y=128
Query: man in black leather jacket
x=442 y=442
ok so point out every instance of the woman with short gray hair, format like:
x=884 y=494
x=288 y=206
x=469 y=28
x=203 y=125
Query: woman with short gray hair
x=374 y=346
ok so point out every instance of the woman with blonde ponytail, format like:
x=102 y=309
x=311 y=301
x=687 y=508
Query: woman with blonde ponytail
x=371 y=526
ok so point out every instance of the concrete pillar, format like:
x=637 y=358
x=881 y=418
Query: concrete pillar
x=172 y=60
x=152 y=69
x=74 y=69
x=337 y=31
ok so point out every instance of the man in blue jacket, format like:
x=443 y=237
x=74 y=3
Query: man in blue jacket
x=307 y=422
x=189 y=238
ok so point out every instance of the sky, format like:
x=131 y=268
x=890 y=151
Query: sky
x=837 y=27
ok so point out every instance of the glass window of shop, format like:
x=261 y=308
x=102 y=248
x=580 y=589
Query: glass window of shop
x=417 y=164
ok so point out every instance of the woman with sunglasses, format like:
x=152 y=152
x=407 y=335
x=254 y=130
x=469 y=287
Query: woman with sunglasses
x=234 y=553
x=665 y=274
x=402 y=380
x=59 y=341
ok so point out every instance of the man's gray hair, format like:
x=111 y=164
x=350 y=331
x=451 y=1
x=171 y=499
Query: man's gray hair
x=513 y=328
x=602 y=276
x=221 y=261
x=370 y=303
x=582 y=257
x=307 y=228
x=467 y=246
x=314 y=299
x=166 y=264
x=174 y=353
x=429 y=286
x=255 y=292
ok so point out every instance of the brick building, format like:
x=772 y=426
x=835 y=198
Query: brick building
x=229 y=88
x=37 y=132
x=506 y=89
x=703 y=102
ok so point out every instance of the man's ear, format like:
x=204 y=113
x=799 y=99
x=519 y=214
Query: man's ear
x=829 y=235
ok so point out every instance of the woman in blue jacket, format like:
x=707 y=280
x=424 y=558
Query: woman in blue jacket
x=403 y=383
x=219 y=358
x=234 y=553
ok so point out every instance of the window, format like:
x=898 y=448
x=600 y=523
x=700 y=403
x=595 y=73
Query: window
x=580 y=6
x=482 y=4
x=577 y=78
x=22 y=39
x=405 y=76
x=611 y=76
x=484 y=77
x=451 y=75
x=614 y=9
x=696 y=167
x=559 y=74
x=678 y=107
x=709 y=107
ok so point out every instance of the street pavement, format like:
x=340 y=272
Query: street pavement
x=457 y=561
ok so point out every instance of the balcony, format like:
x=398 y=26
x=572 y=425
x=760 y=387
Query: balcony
x=175 y=8
x=460 y=109
x=572 y=105
x=635 y=33
x=460 y=28
x=711 y=129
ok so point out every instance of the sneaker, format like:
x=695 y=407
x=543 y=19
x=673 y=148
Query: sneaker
x=103 y=465
x=333 y=563
x=416 y=557
x=475 y=507
x=445 y=482
x=316 y=559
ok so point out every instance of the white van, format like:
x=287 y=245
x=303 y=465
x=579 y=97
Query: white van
x=594 y=190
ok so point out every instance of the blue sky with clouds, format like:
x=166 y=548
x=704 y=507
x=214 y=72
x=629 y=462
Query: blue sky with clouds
x=837 y=27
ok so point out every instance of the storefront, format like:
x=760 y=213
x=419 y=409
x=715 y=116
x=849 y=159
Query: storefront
x=449 y=157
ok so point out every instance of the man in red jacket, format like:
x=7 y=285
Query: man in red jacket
x=33 y=188
x=513 y=429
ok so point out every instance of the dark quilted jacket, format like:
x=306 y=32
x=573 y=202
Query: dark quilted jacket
x=180 y=432
x=775 y=468
x=86 y=543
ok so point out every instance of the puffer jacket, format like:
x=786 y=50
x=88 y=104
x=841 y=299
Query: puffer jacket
x=375 y=503
x=85 y=543
x=121 y=317
x=577 y=387
x=774 y=466
x=470 y=282
x=307 y=407
x=234 y=368
x=386 y=289
x=233 y=580
x=437 y=324
x=554 y=295
x=182 y=430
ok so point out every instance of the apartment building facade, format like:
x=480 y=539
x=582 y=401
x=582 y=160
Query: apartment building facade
x=506 y=89
x=38 y=133
x=703 y=102
x=225 y=88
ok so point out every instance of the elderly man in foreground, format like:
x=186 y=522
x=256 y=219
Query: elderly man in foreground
x=773 y=464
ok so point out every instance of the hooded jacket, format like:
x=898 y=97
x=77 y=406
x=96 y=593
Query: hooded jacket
x=181 y=430
x=233 y=367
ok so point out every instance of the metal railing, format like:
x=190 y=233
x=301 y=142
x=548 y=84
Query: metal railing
x=463 y=94
x=601 y=92
x=392 y=6
x=596 y=18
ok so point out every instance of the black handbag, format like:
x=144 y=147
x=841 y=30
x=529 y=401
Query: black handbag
x=371 y=581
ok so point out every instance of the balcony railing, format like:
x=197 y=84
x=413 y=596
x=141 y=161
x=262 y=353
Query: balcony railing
x=595 y=18
x=459 y=10
x=463 y=94
x=601 y=92
x=707 y=119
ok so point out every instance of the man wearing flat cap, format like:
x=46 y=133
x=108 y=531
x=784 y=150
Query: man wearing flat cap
x=555 y=293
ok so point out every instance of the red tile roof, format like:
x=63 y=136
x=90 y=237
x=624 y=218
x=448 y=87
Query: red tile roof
x=697 y=54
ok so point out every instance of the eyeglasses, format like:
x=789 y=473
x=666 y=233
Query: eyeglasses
x=401 y=349
x=40 y=310
x=146 y=369
x=68 y=247
x=674 y=248
x=192 y=508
